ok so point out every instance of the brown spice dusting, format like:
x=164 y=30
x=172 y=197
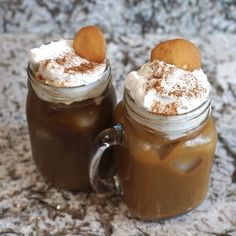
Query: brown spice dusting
x=40 y=78
x=161 y=70
x=186 y=85
x=65 y=60
x=60 y=60
x=82 y=68
x=157 y=85
x=70 y=63
x=189 y=84
x=46 y=62
x=168 y=109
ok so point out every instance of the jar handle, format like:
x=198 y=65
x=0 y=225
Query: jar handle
x=105 y=139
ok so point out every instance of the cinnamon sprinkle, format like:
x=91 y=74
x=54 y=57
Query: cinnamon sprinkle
x=40 y=78
x=168 y=109
x=171 y=84
x=46 y=62
x=161 y=70
x=65 y=59
x=82 y=68
x=159 y=76
x=60 y=60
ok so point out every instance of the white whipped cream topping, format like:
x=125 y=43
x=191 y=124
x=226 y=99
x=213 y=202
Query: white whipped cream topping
x=164 y=89
x=60 y=66
x=65 y=75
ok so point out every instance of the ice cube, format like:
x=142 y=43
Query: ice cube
x=187 y=164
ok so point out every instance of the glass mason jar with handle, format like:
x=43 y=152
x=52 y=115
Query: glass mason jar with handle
x=63 y=121
x=162 y=163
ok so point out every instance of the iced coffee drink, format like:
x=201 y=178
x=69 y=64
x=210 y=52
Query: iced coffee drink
x=170 y=135
x=70 y=100
x=166 y=136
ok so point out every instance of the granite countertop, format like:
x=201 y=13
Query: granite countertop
x=30 y=206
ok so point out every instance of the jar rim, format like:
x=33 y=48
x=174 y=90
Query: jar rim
x=68 y=95
x=172 y=125
x=127 y=95
x=31 y=75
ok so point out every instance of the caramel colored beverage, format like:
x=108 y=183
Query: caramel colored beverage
x=164 y=136
x=168 y=147
x=70 y=100
x=159 y=177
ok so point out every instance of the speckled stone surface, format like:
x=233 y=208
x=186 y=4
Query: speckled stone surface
x=29 y=205
x=119 y=17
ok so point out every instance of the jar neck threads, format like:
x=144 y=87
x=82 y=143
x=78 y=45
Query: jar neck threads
x=68 y=95
x=173 y=127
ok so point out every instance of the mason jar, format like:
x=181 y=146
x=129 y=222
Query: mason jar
x=62 y=124
x=162 y=163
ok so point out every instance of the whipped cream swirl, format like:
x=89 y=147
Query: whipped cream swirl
x=62 y=76
x=58 y=65
x=164 y=89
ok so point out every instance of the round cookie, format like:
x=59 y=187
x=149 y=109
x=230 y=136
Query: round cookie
x=90 y=44
x=179 y=52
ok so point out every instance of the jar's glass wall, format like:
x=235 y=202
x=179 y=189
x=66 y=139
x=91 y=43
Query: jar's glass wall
x=61 y=135
x=159 y=177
